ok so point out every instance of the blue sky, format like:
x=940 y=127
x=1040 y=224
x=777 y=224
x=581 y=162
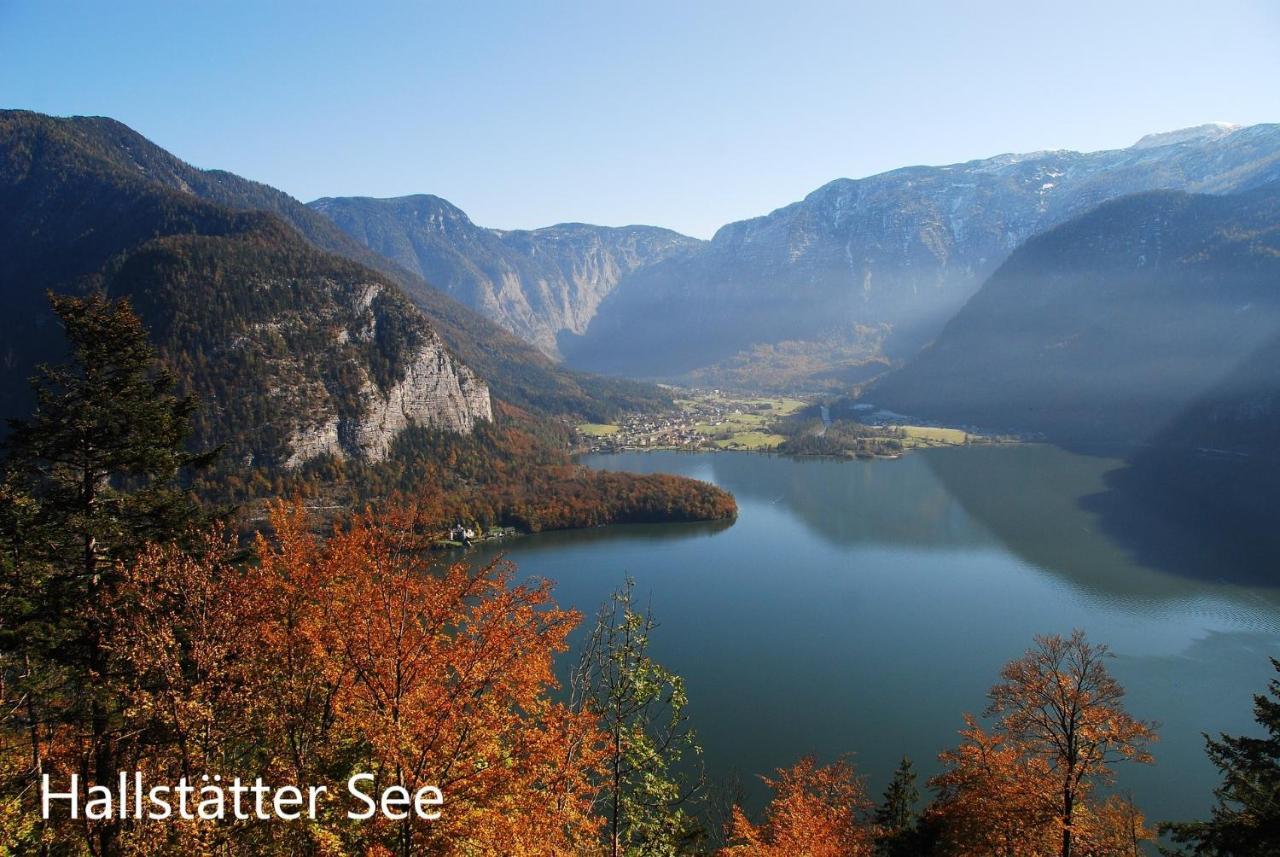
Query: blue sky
x=686 y=115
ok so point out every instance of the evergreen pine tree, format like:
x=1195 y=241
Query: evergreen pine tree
x=1246 y=819
x=91 y=477
x=896 y=816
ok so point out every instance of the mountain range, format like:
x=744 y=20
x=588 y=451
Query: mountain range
x=518 y=372
x=1128 y=293
x=884 y=261
x=818 y=294
x=536 y=283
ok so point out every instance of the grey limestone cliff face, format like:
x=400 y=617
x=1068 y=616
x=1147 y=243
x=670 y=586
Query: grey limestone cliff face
x=538 y=283
x=436 y=392
x=431 y=389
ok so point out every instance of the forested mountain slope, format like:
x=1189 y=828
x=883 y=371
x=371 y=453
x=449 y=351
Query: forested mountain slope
x=294 y=353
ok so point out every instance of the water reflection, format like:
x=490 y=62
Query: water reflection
x=1155 y=526
x=864 y=606
x=1121 y=529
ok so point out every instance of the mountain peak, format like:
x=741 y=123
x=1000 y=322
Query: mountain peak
x=1196 y=134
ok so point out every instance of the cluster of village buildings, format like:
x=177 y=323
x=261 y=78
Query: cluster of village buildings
x=692 y=427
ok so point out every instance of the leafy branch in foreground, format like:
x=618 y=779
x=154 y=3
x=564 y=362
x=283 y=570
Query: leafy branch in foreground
x=646 y=795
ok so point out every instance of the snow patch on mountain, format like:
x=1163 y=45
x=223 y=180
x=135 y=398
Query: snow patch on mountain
x=1197 y=134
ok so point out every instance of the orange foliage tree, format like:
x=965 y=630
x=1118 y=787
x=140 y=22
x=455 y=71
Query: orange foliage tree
x=1060 y=701
x=815 y=812
x=994 y=799
x=358 y=653
x=1026 y=790
x=441 y=677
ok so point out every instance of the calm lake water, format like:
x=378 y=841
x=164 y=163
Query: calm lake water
x=864 y=606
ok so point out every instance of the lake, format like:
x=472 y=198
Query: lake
x=864 y=606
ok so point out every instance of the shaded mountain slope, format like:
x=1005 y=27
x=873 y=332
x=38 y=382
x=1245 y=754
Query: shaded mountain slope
x=1147 y=319
x=293 y=352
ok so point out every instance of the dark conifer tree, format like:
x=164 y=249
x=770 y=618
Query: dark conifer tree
x=1246 y=819
x=90 y=478
x=896 y=817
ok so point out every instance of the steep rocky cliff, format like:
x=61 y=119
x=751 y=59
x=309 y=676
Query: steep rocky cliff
x=900 y=251
x=433 y=391
x=536 y=283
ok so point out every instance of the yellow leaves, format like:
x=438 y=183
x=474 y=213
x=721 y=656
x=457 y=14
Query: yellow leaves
x=815 y=812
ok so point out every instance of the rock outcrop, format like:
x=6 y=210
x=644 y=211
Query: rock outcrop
x=435 y=391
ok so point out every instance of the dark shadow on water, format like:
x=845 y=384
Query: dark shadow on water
x=1202 y=516
x=1122 y=522
x=1100 y=520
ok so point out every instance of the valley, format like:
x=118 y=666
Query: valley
x=699 y=419
x=718 y=420
x=640 y=430
x=816 y=472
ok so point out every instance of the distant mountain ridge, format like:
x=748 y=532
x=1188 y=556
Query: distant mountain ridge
x=893 y=255
x=1154 y=318
x=517 y=371
x=536 y=283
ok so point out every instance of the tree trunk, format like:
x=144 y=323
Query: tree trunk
x=103 y=756
x=104 y=767
x=37 y=758
x=617 y=787
x=1068 y=805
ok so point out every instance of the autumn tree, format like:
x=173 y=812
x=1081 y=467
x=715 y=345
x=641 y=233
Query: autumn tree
x=95 y=475
x=1246 y=818
x=1114 y=828
x=1059 y=704
x=994 y=799
x=354 y=653
x=815 y=812
x=646 y=792
x=440 y=675
x=195 y=689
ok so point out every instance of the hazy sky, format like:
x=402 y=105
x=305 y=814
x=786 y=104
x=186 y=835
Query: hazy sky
x=686 y=115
